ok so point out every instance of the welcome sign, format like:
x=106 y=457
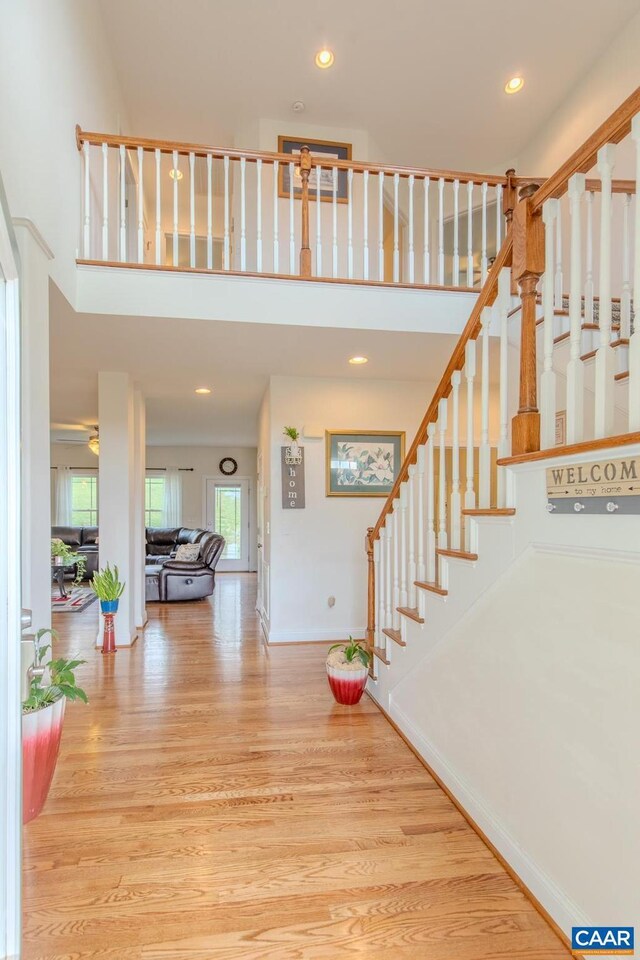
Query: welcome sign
x=602 y=486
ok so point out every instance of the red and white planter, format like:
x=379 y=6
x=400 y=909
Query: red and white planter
x=347 y=686
x=41 y=732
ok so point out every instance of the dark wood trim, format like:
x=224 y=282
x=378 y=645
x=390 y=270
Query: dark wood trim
x=570 y=450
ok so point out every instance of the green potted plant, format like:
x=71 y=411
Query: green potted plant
x=293 y=437
x=108 y=588
x=347 y=670
x=42 y=716
x=63 y=556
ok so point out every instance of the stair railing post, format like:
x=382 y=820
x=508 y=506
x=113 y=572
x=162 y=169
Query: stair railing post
x=371 y=592
x=305 y=249
x=528 y=267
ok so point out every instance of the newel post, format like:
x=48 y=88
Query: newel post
x=528 y=267
x=305 y=249
x=371 y=591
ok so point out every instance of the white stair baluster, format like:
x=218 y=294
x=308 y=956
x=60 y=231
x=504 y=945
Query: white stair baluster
x=588 y=281
x=605 y=359
x=469 y=373
x=426 y=261
x=350 y=223
x=484 y=263
x=411 y=520
x=575 y=366
x=430 y=488
x=292 y=226
x=192 y=211
x=123 y=206
x=105 y=202
x=209 y=214
x=365 y=225
x=404 y=546
x=140 y=192
x=498 y=216
x=456 y=233
x=396 y=244
x=175 y=209
x=381 y=225
x=243 y=213
x=395 y=603
x=559 y=280
x=318 y=171
x=625 y=299
x=441 y=231
x=442 y=476
x=412 y=265
x=378 y=560
x=470 y=233
x=484 y=454
x=420 y=518
x=504 y=445
x=388 y=592
x=226 y=245
x=276 y=231
x=634 y=343
x=158 y=210
x=86 y=232
x=334 y=211
x=456 y=507
x=548 y=378
x=259 y=215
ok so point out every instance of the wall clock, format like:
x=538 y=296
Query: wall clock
x=228 y=466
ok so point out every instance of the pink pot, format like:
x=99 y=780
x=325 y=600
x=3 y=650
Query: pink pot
x=347 y=686
x=41 y=732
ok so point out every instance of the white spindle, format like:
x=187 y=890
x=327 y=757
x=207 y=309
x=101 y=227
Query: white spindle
x=395 y=602
x=484 y=454
x=259 y=215
x=396 y=233
x=140 y=195
x=470 y=234
x=559 y=280
x=548 y=378
x=441 y=231
x=243 y=213
x=455 y=508
x=469 y=373
x=411 y=520
x=350 y=223
x=575 y=366
x=105 y=202
x=504 y=446
x=404 y=547
x=426 y=260
x=625 y=299
x=192 y=211
x=420 y=518
x=365 y=225
x=209 y=214
x=276 y=236
x=498 y=216
x=86 y=233
x=442 y=475
x=318 y=223
x=175 y=208
x=292 y=222
x=226 y=241
x=388 y=592
x=634 y=343
x=605 y=359
x=430 y=486
x=381 y=225
x=158 y=208
x=412 y=266
x=484 y=262
x=456 y=233
x=334 y=211
x=123 y=206
x=588 y=282
x=379 y=561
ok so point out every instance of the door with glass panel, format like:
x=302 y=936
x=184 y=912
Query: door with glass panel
x=227 y=510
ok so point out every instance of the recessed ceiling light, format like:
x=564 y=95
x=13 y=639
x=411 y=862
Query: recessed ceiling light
x=514 y=85
x=324 y=58
x=358 y=360
x=175 y=174
x=203 y=390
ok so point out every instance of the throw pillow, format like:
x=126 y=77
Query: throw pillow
x=188 y=552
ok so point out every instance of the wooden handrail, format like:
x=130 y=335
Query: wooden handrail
x=486 y=298
x=613 y=130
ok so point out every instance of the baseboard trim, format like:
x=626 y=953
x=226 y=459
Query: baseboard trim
x=424 y=751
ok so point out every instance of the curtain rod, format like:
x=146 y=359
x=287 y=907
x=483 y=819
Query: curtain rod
x=180 y=469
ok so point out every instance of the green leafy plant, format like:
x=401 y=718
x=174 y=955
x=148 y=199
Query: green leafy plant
x=61 y=673
x=353 y=650
x=70 y=558
x=106 y=584
x=292 y=433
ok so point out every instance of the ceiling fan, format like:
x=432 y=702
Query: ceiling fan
x=78 y=433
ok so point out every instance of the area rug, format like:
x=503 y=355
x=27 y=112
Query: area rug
x=78 y=599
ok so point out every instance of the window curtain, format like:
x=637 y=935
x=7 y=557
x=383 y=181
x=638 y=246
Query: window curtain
x=63 y=497
x=173 y=498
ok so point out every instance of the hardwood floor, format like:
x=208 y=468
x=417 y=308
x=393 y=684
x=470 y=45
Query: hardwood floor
x=212 y=802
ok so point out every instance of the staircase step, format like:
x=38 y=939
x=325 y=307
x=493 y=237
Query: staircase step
x=394 y=635
x=490 y=512
x=622 y=376
x=432 y=587
x=457 y=554
x=381 y=654
x=411 y=612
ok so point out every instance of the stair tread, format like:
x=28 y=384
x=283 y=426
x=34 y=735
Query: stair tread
x=411 y=612
x=381 y=654
x=622 y=376
x=394 y=635
x=432 y=587
x=457 y=554
x=490 y=512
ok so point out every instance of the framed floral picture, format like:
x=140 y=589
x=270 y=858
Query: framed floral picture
x=363 y=463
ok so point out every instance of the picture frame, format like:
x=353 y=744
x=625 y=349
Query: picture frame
x=363 y=463
x=561 y=428
x=332 y=150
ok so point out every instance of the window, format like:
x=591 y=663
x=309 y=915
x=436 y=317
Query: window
x=154 y=493
x=84 y=501
x=228 y=519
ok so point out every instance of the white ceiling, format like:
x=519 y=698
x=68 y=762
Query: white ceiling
x=424 y=79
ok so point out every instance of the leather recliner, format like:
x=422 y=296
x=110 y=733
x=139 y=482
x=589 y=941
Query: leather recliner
x=169 y=579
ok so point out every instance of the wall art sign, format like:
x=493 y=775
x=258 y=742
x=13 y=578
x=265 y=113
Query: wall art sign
x=363 y=463
x=292 y=481
x=322 y=151
x=601 y=486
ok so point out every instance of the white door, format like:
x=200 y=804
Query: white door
x=10 y=552
x=227 y=513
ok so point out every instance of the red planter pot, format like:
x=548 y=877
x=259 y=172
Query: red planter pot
x=41 y=732
x=347 y=686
